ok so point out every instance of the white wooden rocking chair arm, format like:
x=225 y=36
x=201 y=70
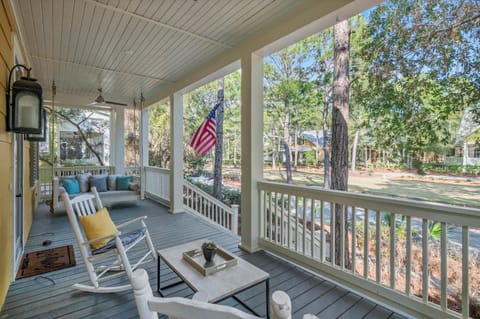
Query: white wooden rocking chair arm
x=132 y=221
x=116 y=234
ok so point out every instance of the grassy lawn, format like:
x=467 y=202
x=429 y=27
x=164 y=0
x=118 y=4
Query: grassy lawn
x=442 y=190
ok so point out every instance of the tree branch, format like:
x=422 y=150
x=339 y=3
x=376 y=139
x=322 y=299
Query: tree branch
x=82 y=135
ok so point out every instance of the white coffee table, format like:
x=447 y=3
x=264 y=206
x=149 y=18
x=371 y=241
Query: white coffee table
x=219 y=286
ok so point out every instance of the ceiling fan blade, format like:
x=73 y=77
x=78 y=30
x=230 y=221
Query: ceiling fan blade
x=116 y=103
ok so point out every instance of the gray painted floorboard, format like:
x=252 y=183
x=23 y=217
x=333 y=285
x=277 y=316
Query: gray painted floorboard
x=51 y=295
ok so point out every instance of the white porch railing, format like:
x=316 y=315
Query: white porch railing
x=200 y=203
x=157 y=184
x=196 y=201
x=46 y=176
x=132 y=171
x=384 y=246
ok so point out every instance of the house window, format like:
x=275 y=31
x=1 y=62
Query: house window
x=476 y=152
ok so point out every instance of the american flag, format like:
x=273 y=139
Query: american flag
x=205 y=137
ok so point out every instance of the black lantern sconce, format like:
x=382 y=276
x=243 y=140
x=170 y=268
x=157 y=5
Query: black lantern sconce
x=25 y=111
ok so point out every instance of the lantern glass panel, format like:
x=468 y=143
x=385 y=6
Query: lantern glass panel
x=27 y=110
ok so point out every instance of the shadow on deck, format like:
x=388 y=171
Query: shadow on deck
x=51 y=295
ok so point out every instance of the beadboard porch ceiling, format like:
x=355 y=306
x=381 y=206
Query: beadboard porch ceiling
x=126 y=47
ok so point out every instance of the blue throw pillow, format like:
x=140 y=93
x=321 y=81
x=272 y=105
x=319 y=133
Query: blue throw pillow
x=99 y=181
x=71 y=186
x=123 y=182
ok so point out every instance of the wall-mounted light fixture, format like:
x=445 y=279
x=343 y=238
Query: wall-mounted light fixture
x=24 y=111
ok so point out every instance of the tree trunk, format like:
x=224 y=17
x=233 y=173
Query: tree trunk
x=286 y=140
x=235 y=150
x=217 y=168
x=228 y=150
x=340 y=132
x=326 y=152
x=295 y=165
x=354 y=151
x=274 y=154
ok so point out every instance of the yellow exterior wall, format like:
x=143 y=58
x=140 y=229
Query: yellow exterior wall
x=7 y=29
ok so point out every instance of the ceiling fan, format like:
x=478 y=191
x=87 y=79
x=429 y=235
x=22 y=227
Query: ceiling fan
x=101 y=101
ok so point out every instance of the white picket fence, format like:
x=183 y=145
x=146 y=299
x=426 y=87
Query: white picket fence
x=384 y=245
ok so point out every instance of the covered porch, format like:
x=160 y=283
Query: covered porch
x=276 y=234
x=50 y=295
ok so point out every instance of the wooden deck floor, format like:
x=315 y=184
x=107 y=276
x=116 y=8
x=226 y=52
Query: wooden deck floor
x=51 y=295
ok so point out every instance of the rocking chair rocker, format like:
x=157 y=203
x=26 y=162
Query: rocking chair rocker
x=105 y=255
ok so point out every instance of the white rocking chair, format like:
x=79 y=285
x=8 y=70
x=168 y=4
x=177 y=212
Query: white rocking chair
x=109 y=261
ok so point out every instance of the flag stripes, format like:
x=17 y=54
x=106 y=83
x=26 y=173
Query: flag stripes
x=205 y=137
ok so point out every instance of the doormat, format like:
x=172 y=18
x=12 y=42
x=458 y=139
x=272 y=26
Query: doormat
x=40 y=262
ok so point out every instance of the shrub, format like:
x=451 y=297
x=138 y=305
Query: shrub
x=310 y=158
x=230 y=196
x=418 y=166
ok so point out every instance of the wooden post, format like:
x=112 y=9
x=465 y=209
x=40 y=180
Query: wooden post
x=281 y=305
x=143 y=147
x=235 y=219
x=118 y=142
x=143 y=293
x=176 y=147
x=252 y=148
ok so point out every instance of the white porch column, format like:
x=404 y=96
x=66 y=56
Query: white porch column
x=143 y=149
x=252 y=148
x=176 y=150
x=118 y=142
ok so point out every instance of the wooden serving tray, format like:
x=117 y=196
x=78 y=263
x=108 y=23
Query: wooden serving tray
x=223 y=260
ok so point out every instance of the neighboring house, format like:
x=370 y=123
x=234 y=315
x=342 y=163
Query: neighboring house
x=308 y=141
x=74 y=148
x=467 y=142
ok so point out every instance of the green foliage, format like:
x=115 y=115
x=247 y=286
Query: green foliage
x=74 y=163
x=233 y=196
x=420 y=58
x=198 y=103
x=418 y=166
x=310 y=158
x=412 y=74
x=292 y=92
x=159 y=135
x=194 y=164
x=434 y=230
x=400 y=224
x=230 y=196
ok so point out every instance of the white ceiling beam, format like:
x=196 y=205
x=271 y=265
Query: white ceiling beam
x=99 y=68
x=160 y=24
